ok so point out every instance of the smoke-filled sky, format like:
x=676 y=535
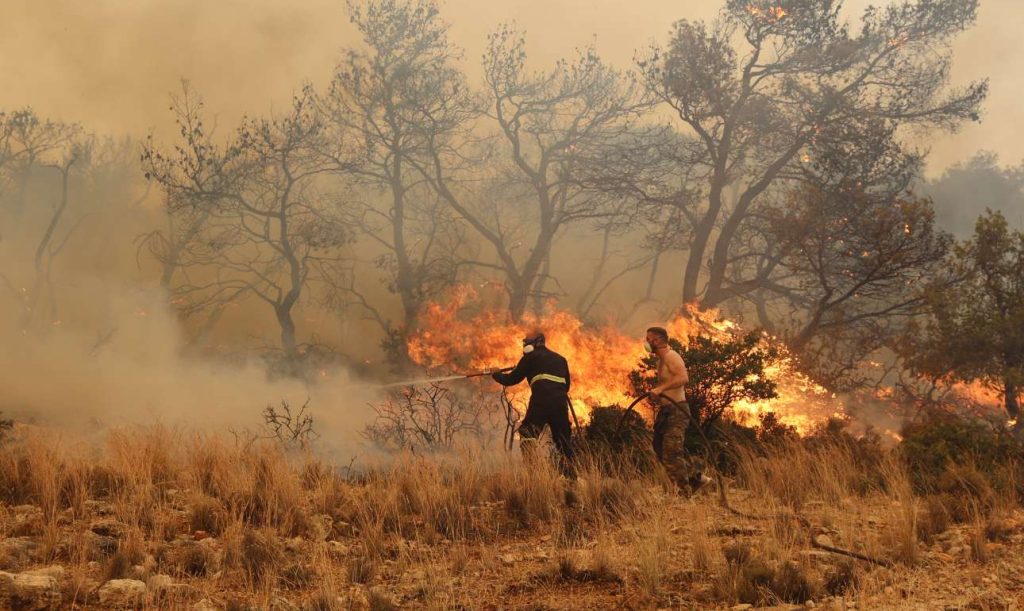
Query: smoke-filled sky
x=111 y=64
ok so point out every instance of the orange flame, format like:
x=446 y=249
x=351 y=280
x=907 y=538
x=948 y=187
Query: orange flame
x=771 y=13
x=461 y=335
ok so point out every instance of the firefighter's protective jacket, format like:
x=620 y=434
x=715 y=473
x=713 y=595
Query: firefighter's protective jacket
x=547 y=373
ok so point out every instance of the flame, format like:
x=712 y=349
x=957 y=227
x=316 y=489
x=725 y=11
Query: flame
x=771 y=13
x=979 y=393
x=459 y=334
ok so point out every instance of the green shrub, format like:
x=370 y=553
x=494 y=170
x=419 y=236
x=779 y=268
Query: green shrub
x=939 y=441
x=615 y=439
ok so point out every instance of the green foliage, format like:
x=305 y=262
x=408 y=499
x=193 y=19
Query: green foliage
x=730 y=439
x=721 y=373
x=975 y=324
x=614 y=437
x=937 y=445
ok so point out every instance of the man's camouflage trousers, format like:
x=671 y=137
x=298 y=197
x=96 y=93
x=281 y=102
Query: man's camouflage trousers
x=669 y=436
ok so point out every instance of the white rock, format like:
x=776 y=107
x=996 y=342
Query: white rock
x=123 y=593
x=159 y=582
x=29 y=591
x=56 y=571
x=205 y=605
x=17 y=550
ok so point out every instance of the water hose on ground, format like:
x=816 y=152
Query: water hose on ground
x=723 y=498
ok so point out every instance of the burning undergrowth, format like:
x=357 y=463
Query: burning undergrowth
x=460 y=334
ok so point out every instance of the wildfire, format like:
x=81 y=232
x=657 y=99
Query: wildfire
x=771 y=13
x=980 y=394
x=461 y=335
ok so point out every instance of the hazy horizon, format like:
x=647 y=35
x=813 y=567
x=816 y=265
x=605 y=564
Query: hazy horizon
x=111 y=65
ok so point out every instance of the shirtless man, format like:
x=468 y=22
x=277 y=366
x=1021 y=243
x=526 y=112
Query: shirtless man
x=670 y=422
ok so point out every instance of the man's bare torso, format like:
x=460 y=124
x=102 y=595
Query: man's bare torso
x=677 y=394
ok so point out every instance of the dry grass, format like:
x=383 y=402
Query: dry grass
x=241 y=525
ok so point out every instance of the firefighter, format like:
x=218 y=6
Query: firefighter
x=547 y=373
x=673 y=416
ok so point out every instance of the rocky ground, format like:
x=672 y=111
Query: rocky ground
x=686 y=553
x=160 y=519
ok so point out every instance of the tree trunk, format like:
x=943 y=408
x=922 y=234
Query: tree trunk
x=1010 y=398
x=699 y=244
x=518 y=297
x=284 y=319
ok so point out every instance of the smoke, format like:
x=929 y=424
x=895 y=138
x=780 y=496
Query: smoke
x=131 y=367
x=111 y=64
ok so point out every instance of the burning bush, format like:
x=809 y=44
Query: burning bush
x=722 y=372
x=728 y=370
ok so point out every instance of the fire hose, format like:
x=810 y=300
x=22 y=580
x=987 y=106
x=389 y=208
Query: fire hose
x=723 y=498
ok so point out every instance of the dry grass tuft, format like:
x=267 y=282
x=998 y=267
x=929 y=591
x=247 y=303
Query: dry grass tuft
x=967 y=492
x=934 y=520
x=753 y=581
x=118 y=566
x=297 y=576
x=842 y=577
x=650 y=550
x=194 y=560
x=207 y=514
x=378 y=601
x=901 y=536
x=794 y=582
x=737 y=553
x=325 y=601
x=261 y=555
x=361 y=569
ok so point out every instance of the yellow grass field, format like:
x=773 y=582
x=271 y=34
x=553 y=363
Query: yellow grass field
x=159 y=518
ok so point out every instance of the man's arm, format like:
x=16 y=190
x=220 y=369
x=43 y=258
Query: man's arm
x=513 y=377
x=677 y=376
x=568 y=378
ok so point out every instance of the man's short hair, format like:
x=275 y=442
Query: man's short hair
x=659 y=332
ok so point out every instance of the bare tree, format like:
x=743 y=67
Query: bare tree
x=396 y=98
x=257 y=220
x=553 y=127
x=33 y=147
x=802 y=74
x=430 y=417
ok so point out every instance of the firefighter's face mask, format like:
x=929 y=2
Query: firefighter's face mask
x=530 y=343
